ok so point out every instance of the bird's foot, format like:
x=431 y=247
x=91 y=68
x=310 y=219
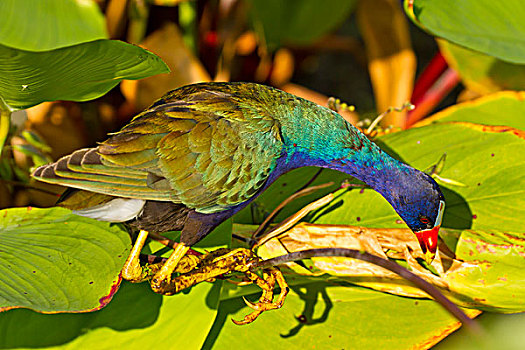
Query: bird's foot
x=134 y=272
x=192 y=269
x=267 y=284
x=225 y=261
x=209 y=267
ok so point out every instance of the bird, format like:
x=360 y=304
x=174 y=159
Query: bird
x=202 y=152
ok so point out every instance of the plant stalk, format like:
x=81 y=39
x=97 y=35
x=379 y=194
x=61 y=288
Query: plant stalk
x=428 y=288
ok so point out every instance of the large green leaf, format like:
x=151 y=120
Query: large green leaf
x=52 y=260
x=483 y=73
x=50 y=24
x=136 y=318
x=496 y=28
x=504 y=108
x=298 y=21
x=76 y=73
x=327 y=315
x=492 y=275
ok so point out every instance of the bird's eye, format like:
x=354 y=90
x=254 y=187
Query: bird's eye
x=424 y=220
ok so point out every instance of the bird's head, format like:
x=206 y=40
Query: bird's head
x=421 y=205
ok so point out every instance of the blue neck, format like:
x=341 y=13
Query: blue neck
x=377 y=169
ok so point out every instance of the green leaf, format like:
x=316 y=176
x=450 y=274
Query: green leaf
x=495 y=28
x=492 y=277
x=504 y=108
x=327 y=315
x=49 y=24
x=136 y=318
x=36 y=155
x=298 y=21
x=483 y=73
x=502 y=332
x=33 y=139
x=52 y=260
x=76 y=73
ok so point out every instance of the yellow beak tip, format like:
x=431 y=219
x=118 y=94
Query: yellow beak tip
x=429 y=257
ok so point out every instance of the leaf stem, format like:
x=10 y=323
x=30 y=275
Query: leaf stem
x=5 y=122
x=452 y=308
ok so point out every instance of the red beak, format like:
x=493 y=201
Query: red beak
x=428 y=241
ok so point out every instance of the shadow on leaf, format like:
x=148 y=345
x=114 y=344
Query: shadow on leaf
x=133 y=307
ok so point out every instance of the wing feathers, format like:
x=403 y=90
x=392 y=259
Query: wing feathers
x=205 y=146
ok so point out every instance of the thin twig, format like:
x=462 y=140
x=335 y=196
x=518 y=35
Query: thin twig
x=302 y=192
x=289 y=222
x=242 y=238
x=428 y=288
x=309 y=182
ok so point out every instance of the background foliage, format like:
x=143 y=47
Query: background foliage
x=468 y=126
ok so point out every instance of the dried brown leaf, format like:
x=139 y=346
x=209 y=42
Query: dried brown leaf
x=393 y=243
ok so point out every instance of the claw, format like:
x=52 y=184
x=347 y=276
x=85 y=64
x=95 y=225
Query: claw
x=248 y=318
x=254 y=306
x=267 y=284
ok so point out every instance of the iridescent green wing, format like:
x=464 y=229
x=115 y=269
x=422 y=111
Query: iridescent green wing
x=199 y=145
x=223 y=156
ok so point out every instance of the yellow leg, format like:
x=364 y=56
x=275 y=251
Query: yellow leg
x=210 y=266
x=132 y=271
x=160 y=283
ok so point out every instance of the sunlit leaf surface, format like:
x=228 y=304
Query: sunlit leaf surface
x=483 y=73
x=76 y=73
x=496 y=28
x=136 y=318
x=503 y=108
x=50 y=24
x=327 y=315
x=54 y=261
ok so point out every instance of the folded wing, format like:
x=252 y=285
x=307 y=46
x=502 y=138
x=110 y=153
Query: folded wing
x=196 y=146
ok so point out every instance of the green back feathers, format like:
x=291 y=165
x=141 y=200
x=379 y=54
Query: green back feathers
x=208 y=146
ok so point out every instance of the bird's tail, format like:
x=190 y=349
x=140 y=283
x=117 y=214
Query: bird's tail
x=85 y=169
